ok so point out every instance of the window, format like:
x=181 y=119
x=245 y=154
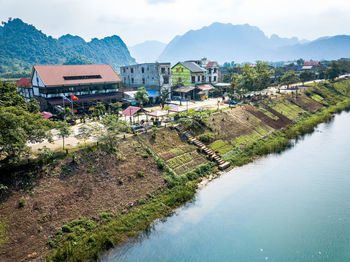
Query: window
x=215 y=69
x=209 y=70
x=124 y=70
x=142 y=70
x=203 y=78
x=193 y=79
x=166 y=79
x=143 y=80
x=132 y=70
x=182 y=69
x=168 y=70
x=124 y=79
x=82 y=77
x=214 y=78
x=209 y=79
x=132 y=80
x=177 y=70
x=162 y=70
x=179 y=80
x=199 y=78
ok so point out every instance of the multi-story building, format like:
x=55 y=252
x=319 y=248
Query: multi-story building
x=149 y=75
x=90 y=83
x=187 y=73
x=212 y=67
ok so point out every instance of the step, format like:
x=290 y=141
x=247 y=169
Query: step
x=224 y=165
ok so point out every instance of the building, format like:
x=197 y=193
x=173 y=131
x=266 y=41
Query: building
x=24 y=86
x=188 y=73
x=149 y=75
x=90 y=83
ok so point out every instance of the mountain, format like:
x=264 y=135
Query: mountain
x=22 y=45
x=245 y=43
x=147 y=52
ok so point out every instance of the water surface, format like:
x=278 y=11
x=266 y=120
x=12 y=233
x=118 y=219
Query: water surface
x=294 y=206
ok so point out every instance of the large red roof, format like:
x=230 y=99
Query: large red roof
x=311 y=63
x=58 y=75
x=24 y=82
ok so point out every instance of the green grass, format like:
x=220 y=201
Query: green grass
x=221 y=146
x=288 y=109
x=179 y=160
x=3 y=235
x=85 y=240
x=177 y=151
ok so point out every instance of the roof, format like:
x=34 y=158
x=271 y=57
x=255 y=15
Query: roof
x=131 y=110
x=158 y=113
x=306 y=67
x=311 y=63
x=193 y=67
x=58 y=75
x=46 y=115
x=24 y=82
x=222 y=84
x=205 y=87
x=176 y=109
x=184 y=89
x=153 y=93
x=211 y=64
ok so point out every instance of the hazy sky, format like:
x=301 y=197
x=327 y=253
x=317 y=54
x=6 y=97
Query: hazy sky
x=138 y=20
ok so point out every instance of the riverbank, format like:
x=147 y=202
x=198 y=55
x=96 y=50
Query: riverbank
x=116 y=196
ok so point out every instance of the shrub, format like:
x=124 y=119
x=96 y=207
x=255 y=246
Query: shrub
x=140 y=174
x=21 y=203
x=207 y=137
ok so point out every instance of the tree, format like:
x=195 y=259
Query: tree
x=64 y=130
x=85 y=132
x=164 y=92
x=300 y=62
x=78 y=60
x=17 y=128
x=141 y=96
x=289 y=78
x=20 y=123
x=100 y=109
x=263 y=76
x=116 y=107
x=113 y=128
x=306 y=76
x=333 y=72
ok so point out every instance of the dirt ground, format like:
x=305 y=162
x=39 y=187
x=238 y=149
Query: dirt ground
x=81 y=186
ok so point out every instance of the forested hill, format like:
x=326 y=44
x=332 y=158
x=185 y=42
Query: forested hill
x=22 y=45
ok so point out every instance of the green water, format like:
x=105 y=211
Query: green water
x=294 y=206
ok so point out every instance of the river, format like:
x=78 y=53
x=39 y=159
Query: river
x=293 y=206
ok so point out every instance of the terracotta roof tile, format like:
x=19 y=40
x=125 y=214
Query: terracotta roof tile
x=58 y=75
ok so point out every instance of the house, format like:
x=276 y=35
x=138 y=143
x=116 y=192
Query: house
x=310 y=65
x=90 y=83
x=187 y=73
x=212 y=67
x=24 y=86
x=149 y=75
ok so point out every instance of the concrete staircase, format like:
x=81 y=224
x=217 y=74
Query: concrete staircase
x=203 y=148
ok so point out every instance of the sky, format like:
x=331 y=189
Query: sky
x=136 y=21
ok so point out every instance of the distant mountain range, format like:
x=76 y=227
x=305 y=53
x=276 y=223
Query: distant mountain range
x=22 y=45
x=147 y=52
x=245 y=43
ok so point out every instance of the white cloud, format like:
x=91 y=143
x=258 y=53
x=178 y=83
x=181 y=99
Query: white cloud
x=139 y=20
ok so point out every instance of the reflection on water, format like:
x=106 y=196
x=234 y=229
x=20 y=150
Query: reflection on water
x=294 y=206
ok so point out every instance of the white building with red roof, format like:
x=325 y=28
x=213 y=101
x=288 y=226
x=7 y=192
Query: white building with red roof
x=90 y=83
